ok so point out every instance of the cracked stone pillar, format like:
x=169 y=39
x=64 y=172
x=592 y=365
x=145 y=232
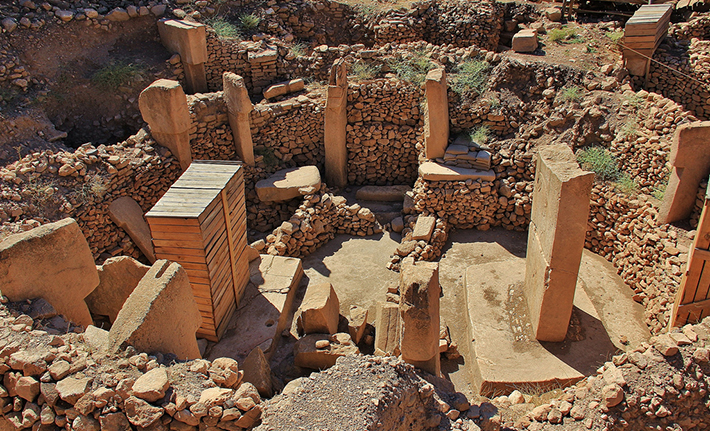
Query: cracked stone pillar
x=690 y=157
x=336 y=122
x=436 y=120
x=189 y=39
x=239 y=106
x=555 y=240
x=419 y=310
x=163 y=106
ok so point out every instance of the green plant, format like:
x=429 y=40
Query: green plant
x=364 y=71
x=224 y=28
x=571 y=94
x=629 y=129
x=615 y=36
x=40 y=191
x=591 y=49
x=114 y=75
x=412 y=68
x=249 y=21
x=565 y=35
x=480 y=135
x=494 y=102
x=633 y=100
x=470 y=77
x=600 y=161
x=268 y=155
x=299 y=49
x=626 y=184
x=92 y=190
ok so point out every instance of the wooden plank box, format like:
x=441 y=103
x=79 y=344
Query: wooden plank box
x=200 y=222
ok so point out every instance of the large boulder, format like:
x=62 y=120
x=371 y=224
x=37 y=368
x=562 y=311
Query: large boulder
x=118 y=277
x=161 y=314
x=53 y=262
x=319 y=311
x=525 y=41
x=288 y=184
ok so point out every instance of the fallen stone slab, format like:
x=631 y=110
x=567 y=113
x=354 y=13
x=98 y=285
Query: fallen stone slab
x=320 y=351
x=258 y=372
x=424 y=228
x=387 y=329
x=53 y=262
x=283 y=88
x=433 y=171
x=161 y=314
x=525 y=41
x=382 y=193
x=357 y=323
x=288 y=184
x=118 y=277
x=319 y=311
x=266 y=309
x=128 y=215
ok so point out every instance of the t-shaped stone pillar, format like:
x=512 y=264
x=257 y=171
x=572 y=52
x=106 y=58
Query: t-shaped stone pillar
x=419 y=309
x=555 y=240
x=189 y=39
x=336 y=122
x=436 y=120
x=239 y=106
x=163 y=106
x=690 y=157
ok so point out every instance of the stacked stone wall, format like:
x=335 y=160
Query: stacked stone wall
x=698 y=27
x=210 y=135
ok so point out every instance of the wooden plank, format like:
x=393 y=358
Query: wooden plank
x=171 y=221
x=177 y=251
x=692 y=313
x=230 y=237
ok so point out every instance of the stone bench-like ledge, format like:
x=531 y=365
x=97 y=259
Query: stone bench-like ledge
x=433 y=171
x=288 y=184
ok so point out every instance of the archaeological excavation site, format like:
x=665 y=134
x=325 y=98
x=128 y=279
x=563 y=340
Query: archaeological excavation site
x=344 y=215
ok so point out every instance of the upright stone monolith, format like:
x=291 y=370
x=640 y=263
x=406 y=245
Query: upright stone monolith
x=555 y=240
x=238 y=108
x=419 y=310
x=189 y=39
x=336 y=122
x=436 y=120
x=163 y=106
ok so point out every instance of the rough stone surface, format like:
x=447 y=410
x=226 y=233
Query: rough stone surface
x=258 y=372
x=128 y=215
x=288 y=184
x=118 y=276
x=382 y=193
x=387 y=329
x=53 y=262
x=436 y=121
x=152 y=385
x=239 y=107
x=320 y=310
x=525 y=41
x=424 y=228
x=308 y=355
x=160 y=315
x=433 y=171
x=335 y=127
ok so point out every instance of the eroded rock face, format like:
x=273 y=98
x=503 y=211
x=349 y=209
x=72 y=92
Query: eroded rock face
x=52 y=262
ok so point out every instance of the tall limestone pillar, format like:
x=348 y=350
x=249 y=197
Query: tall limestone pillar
x=163 y=106
x=436 y=120
x=419 y=310
x=555 y=240
x=239 y=106
x=336 y=122
x=189 y=39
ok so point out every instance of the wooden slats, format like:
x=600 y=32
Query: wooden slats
x=200 y=222
x=646 y=29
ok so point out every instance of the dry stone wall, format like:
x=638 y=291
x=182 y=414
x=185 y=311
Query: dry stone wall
x=210 y=135
x=698 y=27
x=384 y=126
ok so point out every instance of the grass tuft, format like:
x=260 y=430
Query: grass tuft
x=571 y=94
x=299 y=49
x=116 y=74
x=363 y=71
x=565 y=35
x=600 y=161
x=224 y=28
x=626 y=184
x=615 y=36
x=470 y=78
x=480 y=135
x=249 y=21
x=412 y=68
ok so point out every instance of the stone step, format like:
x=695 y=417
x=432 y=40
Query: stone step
x=433 y=171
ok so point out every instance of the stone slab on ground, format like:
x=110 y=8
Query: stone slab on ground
x=265 y=310
x=424 y=228
x=53 y=262
x=319 y=312
x=288 y=184
x=507 y=354
x=320 y=351
x=128 y=215
x=118 y=277
x=433 y=171
x=383 y=193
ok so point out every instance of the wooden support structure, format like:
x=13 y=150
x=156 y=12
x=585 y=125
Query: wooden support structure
x=200 y=222
x=643 y=32
x=692 y=302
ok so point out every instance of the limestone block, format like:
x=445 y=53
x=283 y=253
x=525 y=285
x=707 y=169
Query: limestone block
x=238 y=108
x=419 y=312
x=690 y=157
x=424 y=228
x=553 y=14
x=387 y=329
x=97 y=338
x=555 y=240
x=189 y=39
x=118 y=276
x=319 y=311
x=433 y=171
x=320 y=351
x=283 y=88
x=128 y=215
x=525 y=41
x=53 y=262
x=163 y=105
x=288 y=184
x=357 y=323
x=335 y=126
x=161 y=314
x=436 y=120
x=258 y=372
x=382 y=193
x=152 y=385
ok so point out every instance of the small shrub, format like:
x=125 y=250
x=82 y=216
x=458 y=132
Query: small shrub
x=224 y=28
x=116 y=74
x=471 y=77
x=413 y=68
x=92 y=190
x=363 y=71
x=571 y=94
x=249 y=21
x=600 y=161
x=480 y=135
x=626 y=184
x=615 y=36
x=565 y=35
x=659 y=192
x=629 y=129
x=40 y=192
x=299 y=49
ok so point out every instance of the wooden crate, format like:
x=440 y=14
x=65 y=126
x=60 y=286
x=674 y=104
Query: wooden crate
x=200 y=223
x=647 y=28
